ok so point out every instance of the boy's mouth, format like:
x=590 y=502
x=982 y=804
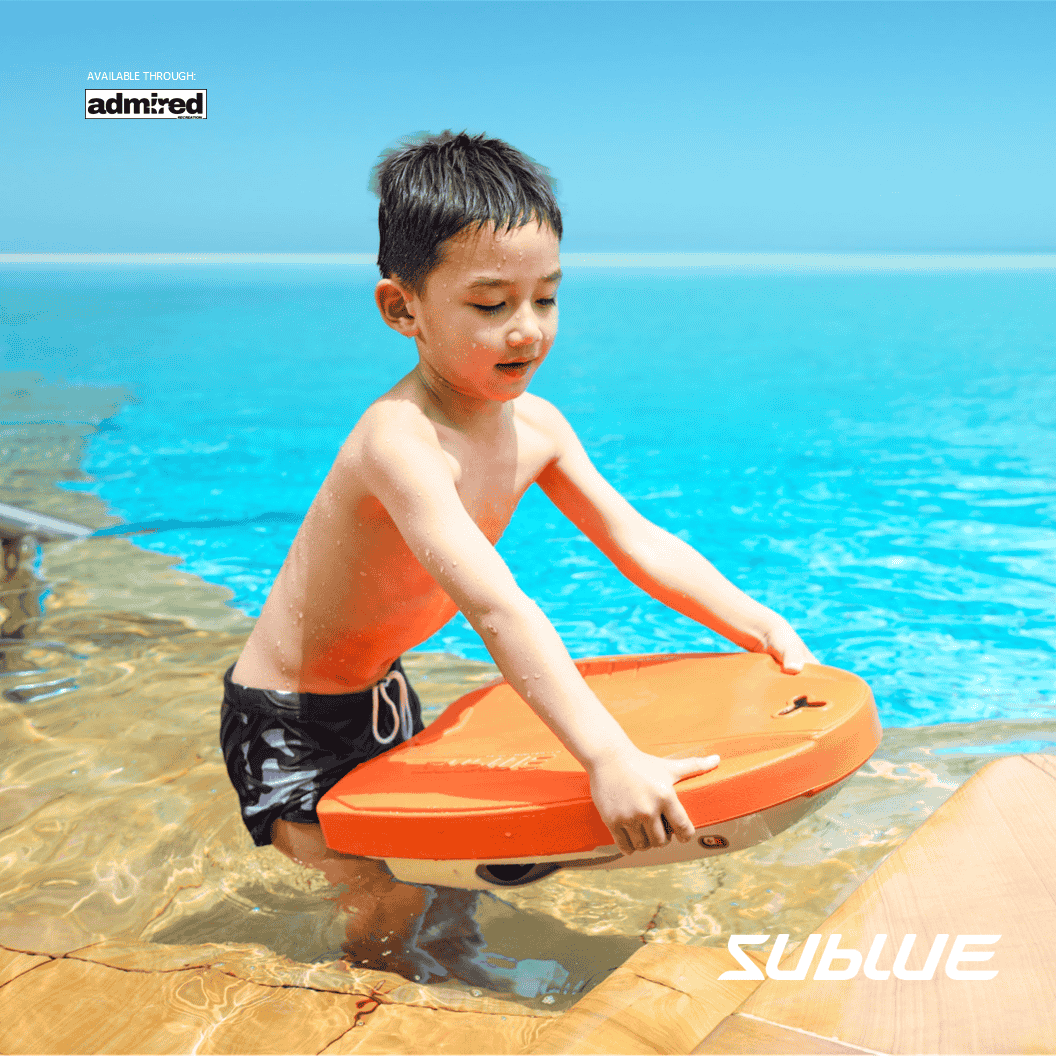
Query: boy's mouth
x=518 y=366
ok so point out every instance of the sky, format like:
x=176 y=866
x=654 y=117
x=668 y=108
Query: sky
x=684 y=126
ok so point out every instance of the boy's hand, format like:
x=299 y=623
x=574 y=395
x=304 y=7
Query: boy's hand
x=785 y=646
x=635 y=796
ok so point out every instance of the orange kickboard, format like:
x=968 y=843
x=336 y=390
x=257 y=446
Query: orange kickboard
x=488 y=780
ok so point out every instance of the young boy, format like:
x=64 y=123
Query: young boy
x=402 y=535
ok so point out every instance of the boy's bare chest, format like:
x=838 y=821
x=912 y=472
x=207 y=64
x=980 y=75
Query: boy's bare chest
x=491 y=478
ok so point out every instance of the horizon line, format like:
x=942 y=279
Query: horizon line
x=862 y=260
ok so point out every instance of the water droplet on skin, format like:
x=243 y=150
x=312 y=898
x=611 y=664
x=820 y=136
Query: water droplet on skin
x=475 y=993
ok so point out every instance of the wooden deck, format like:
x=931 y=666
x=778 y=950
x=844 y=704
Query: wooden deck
x=984 y=864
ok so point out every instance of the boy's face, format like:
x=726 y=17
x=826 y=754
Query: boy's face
x=487 y=314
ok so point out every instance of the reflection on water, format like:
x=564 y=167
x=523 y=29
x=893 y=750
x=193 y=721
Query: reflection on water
x=117 y=819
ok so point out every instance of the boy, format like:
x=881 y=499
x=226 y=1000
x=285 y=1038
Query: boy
x=402 y=534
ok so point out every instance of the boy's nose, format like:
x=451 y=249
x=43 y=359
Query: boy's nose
x=524 y=329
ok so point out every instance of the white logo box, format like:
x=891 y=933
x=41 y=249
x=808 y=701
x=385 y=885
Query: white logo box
x=154 y=104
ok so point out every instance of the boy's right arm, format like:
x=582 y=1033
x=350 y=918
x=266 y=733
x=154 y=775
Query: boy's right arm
x=409 y=474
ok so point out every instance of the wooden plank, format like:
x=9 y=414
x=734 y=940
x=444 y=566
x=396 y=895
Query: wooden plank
x=257 y=964
x=286 y=1019
x=45 y=936
x=1043 y=762
x=13 y=963
x=395 y=1029
x=661 y=1000
x=981 y=865
x=75 y=1006
x=740 y=1035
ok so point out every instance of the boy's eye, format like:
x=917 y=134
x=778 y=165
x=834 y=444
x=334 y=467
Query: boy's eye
x=491 y=309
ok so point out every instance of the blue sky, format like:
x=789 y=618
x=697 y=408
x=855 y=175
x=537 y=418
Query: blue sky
x=671 y=126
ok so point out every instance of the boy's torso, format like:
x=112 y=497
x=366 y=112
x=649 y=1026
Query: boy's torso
x=351 y=597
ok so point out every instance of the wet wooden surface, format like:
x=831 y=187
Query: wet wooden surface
x=399 y=1029
x=740 y=1035
x=984 y=864
x=661 y=1000
x=13 y=963
x=144 y=998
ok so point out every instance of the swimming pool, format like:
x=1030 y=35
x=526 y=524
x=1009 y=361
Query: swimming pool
x=871 y=454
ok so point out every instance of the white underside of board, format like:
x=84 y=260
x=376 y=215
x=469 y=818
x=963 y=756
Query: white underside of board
x=720 y=838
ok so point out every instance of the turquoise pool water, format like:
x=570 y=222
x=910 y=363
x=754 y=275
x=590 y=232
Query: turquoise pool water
x=873 y=454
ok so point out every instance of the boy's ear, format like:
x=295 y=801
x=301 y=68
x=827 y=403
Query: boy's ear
x=392 y=301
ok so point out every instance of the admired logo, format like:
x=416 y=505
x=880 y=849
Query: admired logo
x=851 y=961
x=171 y=103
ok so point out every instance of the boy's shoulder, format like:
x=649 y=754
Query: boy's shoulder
x=535 y=409
x=543 y=416
x=544 y=419
x=397 y=417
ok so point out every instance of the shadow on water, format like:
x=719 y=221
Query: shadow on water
x=117 y=820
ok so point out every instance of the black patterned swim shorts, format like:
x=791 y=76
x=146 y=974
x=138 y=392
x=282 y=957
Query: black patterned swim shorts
x=285 y=750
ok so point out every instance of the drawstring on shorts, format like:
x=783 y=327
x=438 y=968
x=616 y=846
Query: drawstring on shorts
x=400 y=715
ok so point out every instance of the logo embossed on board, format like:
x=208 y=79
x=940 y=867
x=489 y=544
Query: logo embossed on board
x=517 y=761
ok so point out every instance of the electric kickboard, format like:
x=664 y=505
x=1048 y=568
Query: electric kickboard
x=487 y=796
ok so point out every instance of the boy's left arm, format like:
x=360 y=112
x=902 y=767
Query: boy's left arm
x=654 y=559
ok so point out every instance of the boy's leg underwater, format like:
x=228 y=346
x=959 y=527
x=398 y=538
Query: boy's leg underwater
x=449 y=934
x=419 y=931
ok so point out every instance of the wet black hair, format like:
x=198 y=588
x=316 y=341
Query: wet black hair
x=433 y=186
